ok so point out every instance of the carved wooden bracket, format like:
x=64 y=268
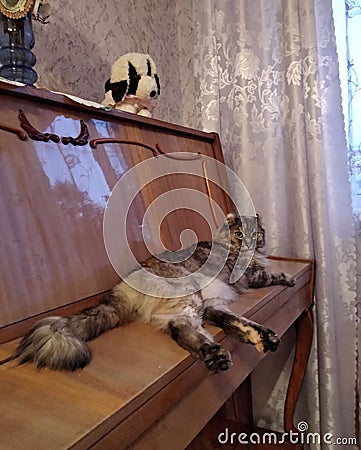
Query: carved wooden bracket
x=181 y=156
x=156 y=152
x=94 y=142
x=20 y=133
x=81 y=139
x=33 y=133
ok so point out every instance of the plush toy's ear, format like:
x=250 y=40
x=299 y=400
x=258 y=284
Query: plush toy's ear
x=107 y=86
x=151 y=71
x=157 y=81
x=134 y=78
x=119 y=89
x=149 y=68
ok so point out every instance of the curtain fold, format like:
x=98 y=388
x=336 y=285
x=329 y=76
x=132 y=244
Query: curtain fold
x=266 y=78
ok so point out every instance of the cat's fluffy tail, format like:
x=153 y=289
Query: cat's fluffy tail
x=59 y=343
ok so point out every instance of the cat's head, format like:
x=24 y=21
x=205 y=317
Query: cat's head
x=254 y=235
x=231 y=232
x=245 y=232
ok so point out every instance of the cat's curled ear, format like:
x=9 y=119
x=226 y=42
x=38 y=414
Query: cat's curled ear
x=259 y=220
x=230 y=219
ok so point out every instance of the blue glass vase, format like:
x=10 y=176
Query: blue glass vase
x=16 y=42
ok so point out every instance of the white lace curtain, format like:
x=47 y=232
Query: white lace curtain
x=267 y=80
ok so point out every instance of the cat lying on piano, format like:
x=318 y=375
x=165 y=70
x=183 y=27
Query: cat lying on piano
x=59 y=343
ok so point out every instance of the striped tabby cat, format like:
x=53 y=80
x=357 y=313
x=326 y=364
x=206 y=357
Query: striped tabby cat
x=60 y=342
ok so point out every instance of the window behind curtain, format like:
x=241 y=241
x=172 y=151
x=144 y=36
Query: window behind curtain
x=347 y=15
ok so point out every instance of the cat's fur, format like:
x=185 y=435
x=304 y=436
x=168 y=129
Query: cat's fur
x=60 y=342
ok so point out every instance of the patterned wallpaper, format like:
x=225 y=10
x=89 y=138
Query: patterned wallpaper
x=77 y=48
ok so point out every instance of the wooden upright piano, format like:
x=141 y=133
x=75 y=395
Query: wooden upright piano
x=59 y=161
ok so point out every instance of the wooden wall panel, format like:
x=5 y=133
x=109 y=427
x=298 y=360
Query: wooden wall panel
x=53 y=197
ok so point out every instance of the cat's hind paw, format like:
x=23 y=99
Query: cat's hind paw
x=268 y=340
x=215 y=358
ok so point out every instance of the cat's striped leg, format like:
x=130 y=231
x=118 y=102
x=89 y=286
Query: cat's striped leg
x=262 y=278
x=245 y=330
x=194 y=338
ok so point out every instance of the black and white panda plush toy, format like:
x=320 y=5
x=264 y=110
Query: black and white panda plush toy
x=133 y=85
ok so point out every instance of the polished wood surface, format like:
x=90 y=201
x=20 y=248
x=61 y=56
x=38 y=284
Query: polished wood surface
x=141 y=389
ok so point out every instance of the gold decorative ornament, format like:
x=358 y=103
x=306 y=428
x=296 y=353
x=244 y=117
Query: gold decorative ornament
x=15 y=9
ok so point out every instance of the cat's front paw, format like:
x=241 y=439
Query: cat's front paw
x=289 y=281
x=277 y=278
x=215 y=357
x=284 y=279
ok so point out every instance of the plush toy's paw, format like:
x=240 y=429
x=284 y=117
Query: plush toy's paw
x=144 y=113
x=215 y=357
x=108 y=99
x=125 y=107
